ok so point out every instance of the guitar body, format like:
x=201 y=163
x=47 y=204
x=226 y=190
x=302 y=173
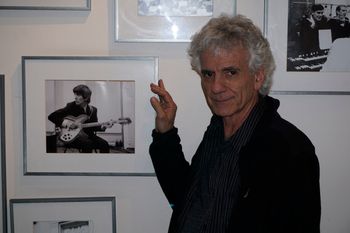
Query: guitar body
x=68 y=134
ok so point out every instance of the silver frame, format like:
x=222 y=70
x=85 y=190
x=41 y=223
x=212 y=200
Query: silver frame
x=27 y=6
x=119 y=38
x=3 y=155
x=24 y=107
x=112 y=200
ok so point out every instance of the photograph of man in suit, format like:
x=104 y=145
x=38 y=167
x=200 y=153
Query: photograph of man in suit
x=73 y=115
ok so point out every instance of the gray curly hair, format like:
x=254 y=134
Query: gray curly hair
x=226 y=32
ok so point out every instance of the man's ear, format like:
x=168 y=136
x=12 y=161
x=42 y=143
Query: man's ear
x=259 y=79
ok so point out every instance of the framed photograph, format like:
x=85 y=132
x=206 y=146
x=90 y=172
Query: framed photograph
x=79 y=5
x=165 y=20
x=63 y=215
x=298 y=70
x=3 y=192
x=88 y=115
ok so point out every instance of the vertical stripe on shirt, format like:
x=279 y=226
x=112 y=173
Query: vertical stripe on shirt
x=216 y=185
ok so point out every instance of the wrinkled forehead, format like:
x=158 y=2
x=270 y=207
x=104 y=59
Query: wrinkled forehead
x=233 y=54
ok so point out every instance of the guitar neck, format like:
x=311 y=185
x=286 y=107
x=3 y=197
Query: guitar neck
x=95 y=124
x=121 y=121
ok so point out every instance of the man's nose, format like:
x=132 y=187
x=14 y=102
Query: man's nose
x=218 y=84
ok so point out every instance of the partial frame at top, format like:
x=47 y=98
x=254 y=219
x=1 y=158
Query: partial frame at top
x=165 y=21
x=68 y=5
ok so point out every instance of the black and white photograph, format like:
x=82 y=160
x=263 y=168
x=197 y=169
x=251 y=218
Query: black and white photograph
x=318 y=36
x=165 y=20
x=90 y=116
x=63 y=226
x=63 y=215
x=86 y=115
x=175 y=7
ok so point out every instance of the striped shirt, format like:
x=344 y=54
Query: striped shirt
x=216 y=185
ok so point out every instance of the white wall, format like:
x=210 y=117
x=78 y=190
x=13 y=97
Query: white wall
x=141 y=206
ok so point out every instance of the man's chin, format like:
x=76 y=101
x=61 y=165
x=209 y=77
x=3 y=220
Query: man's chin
x=221 y=112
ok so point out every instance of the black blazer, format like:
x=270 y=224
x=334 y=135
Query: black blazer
x=279 y=173
x=280 y=180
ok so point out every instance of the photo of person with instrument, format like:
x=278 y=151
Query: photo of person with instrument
x=77 y=125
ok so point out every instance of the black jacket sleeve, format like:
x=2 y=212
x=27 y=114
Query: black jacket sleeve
x=58 y=116
x=170 y=165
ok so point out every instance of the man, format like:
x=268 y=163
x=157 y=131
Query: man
x=253 y=172
x=310 y=27
x=73 y=115
x=340 y=25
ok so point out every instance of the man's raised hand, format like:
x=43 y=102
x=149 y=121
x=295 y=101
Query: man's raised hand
x=164 y=106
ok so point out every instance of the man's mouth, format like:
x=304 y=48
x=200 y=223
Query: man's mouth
x=221 y=100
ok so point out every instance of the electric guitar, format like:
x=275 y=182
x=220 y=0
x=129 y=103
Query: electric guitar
x=67 y=133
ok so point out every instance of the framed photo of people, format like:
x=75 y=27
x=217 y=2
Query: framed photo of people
x=165 y=20
x=3 y=191
x=78 y=5
x=87 y=115
x=311 y=44
x=69 y=214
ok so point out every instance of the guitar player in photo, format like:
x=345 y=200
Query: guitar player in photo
x=77 y=123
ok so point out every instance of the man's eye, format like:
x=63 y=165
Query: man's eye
x=230 y=73
x=207 y=74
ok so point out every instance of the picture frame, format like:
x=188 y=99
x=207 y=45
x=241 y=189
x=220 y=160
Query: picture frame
x=3 y=192
x=142 y=21
x=276 y=31
x=39 y=215
x=48 y=85
x=70 y=5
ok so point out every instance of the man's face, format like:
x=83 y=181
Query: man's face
x=79 y=100
x=342 y=13
x=317 y=15
x=229 y=87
